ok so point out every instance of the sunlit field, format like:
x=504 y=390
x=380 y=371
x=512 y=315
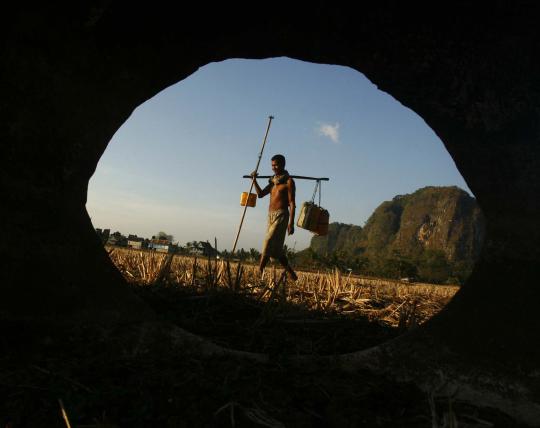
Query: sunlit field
x=315 y=295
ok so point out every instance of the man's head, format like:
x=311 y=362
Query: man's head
x=278 y=164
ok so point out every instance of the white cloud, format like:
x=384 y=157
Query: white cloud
x=330 y=131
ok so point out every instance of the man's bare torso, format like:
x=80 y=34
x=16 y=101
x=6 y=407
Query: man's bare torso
x=279 y=196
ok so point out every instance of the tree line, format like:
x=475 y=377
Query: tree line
x=430 y=266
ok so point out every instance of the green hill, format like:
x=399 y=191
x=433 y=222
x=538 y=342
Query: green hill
x=341 y=237
x=434 y=234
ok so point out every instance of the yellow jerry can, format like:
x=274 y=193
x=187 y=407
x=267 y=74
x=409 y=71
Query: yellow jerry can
x=250 y=200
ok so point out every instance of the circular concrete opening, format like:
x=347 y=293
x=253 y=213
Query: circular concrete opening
x=403 y=236
x=74 y=75
x=469 y=77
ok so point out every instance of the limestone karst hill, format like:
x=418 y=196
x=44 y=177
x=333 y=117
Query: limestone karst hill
x=440 y=227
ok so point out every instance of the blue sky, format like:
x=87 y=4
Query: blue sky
x=176 y=164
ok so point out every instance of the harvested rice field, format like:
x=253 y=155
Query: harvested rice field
x=320 y=313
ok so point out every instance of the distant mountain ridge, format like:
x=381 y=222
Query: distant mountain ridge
x=445 y=221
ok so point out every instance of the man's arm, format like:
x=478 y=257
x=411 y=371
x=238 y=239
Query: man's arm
x=291 y=187
x=261 y=193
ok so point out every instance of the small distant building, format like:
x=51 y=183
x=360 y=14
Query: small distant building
x=133 y=241
x=161 y=245
x=117 y=239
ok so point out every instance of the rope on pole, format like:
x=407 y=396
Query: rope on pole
x=270 y=118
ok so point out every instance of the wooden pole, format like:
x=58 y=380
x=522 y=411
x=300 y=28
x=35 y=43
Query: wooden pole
x=300 y=177
x=252 y=183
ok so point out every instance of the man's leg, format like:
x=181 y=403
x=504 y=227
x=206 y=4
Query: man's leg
x=263 y=262
x=285 y=263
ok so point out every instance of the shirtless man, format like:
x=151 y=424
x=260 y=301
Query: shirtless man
x=282 y=193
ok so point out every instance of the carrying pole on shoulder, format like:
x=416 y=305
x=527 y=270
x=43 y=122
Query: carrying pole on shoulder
x=270 y=118
x=299 y=177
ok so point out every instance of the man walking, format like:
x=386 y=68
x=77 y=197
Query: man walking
x=282 y=191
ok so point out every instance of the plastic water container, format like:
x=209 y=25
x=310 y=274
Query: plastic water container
x=313 y=218
x=251 y=200
x=308 y=217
